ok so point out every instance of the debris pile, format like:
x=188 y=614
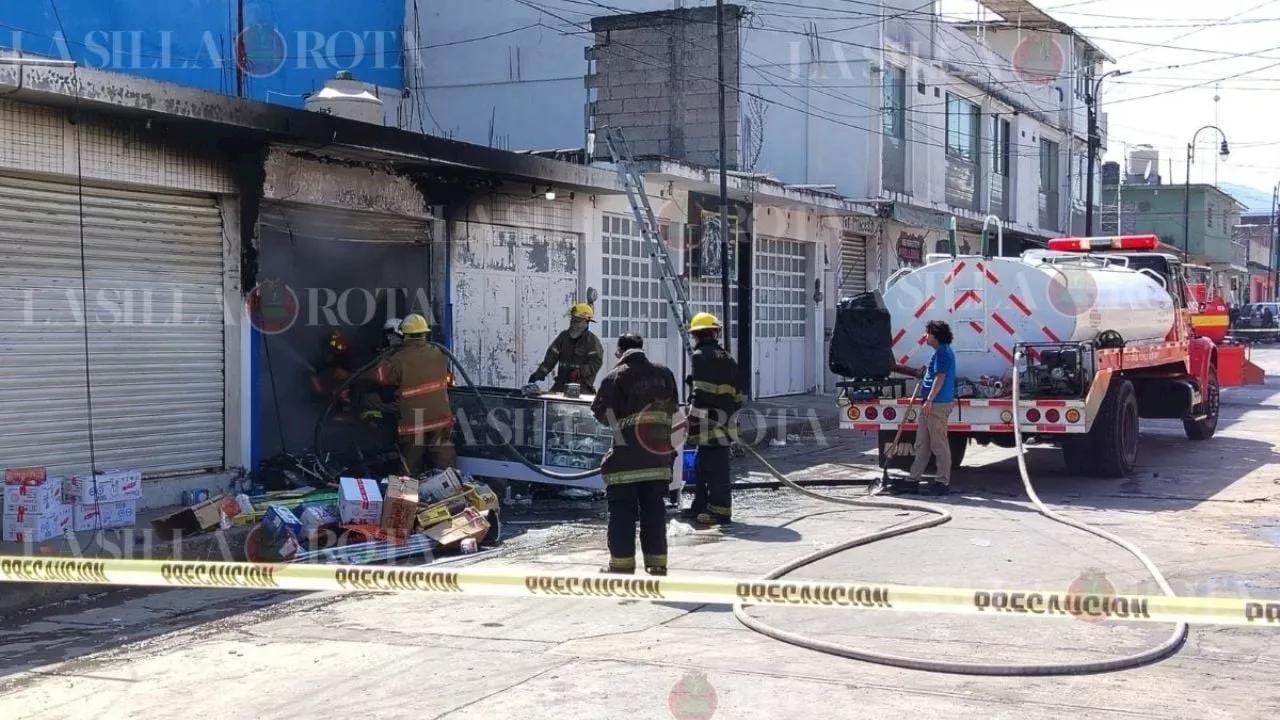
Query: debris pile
x=400 y=515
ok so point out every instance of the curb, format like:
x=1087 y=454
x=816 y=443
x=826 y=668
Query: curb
x=128 y=543
x=794 y=425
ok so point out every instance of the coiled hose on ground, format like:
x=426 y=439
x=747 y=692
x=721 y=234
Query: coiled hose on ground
x=940 y=516
x=937 y=516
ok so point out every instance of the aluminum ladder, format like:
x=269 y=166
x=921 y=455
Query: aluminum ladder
x=676 y=296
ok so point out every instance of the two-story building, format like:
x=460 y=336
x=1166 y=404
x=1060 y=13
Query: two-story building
x=1197 y=220
x=278 y=52
x=909 y=121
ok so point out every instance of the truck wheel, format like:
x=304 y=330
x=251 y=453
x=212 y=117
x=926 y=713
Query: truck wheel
x=1113 y=439
x=1204 y=429
x=1078 y=455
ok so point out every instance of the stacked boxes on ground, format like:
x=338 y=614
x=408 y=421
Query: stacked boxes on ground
x=38 y=507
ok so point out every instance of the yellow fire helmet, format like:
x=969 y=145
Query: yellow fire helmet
x=414 y=324
x=583 y=311
x=704 y=321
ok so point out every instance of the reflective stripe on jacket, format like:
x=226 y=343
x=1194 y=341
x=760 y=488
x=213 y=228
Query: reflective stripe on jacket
x=638 y=400
x=419 y=372
x=716 y=395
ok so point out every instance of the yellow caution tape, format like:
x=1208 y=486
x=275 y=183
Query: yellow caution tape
x=514 y=582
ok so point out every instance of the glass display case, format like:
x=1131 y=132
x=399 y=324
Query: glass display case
x=556 y=433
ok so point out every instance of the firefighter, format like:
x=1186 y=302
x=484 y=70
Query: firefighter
x=391 y=336
x=419 y=372
x=638 y=401
x=576 y=354
x=716 y=394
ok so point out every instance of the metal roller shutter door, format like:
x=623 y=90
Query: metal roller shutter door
x=155 y=329
x=853 y=265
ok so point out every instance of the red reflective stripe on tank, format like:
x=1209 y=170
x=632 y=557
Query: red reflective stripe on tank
x=1051 y=403
x=866 y=426
x=977 y=327
x=923 y=339
x=1001 y=403
x=954 y=272
x=902 y=401
x=1049 y=334
x=966 y=296
x=925 y=306
x=1051 y=428
x=1001 y=428
x=1000 y=321
x=1000 y=349
x=991 y=276
x=900 y=334
x=965 y=428
x=1025 y=310
x=904 y=359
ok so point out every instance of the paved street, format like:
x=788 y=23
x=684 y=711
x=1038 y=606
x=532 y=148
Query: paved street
x=1206 y=513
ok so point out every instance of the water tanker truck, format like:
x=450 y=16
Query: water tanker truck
x=1103 y=328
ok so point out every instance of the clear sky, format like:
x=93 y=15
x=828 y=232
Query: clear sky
x=1231 y=44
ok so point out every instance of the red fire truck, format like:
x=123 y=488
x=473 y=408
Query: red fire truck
x=1104 y=328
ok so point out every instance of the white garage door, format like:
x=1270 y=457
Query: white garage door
x=153 y=270
x=782 y=316
x=631 y=295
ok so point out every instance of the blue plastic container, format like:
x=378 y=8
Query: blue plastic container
x=690 y=466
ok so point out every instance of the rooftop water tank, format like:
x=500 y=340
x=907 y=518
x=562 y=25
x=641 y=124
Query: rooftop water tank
x=347 y=98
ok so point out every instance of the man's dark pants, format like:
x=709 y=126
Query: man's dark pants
x=714 y=478
x=644 y=503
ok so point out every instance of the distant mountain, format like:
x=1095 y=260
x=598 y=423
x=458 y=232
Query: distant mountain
x=1258 y=201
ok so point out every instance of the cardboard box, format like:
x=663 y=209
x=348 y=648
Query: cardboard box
x=22 y=526
x=107 y=487
x=280 y=523
x=194 y=519
x=104 y=516
x=359 y=501
x=480 y=497
x=36 y=498
x=316 y=516
x=468 y=524
x=441 y=486
x=400 y=506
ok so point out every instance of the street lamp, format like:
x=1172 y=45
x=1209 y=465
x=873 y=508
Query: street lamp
x=1091 y=102
x=1224 y=152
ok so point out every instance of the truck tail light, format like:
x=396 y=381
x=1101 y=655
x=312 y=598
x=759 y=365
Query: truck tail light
x=890 y=414
x=1073 y=415
x=1033 y=415
x=1051 y=416
x=872 y=413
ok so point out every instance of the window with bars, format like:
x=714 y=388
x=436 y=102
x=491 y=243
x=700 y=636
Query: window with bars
x=780 y=298
x=631 y=297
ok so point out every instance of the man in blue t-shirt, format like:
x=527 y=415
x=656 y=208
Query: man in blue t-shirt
x=938 y=391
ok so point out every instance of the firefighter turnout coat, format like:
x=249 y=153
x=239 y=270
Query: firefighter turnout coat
x=420 y=374
x=716 y=395
x=638 y=400
x=576 y=361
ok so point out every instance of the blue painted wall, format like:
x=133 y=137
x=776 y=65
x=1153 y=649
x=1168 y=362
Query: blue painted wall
x=289 y=48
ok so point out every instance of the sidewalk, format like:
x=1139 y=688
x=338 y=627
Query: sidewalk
x=775 y=418
x=138 y=543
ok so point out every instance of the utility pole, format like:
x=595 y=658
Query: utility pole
x=1274 y=251
x=238 y=50
x=1095 y=142
x=728 y=239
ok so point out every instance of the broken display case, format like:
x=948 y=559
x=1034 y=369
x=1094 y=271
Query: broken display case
x=554 y=432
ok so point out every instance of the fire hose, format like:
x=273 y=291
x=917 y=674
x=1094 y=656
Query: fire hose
x=939 y=517
x=936 y=516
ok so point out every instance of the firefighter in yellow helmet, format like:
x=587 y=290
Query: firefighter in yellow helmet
x=420 y=374
x=576 y=354
x=716 y=393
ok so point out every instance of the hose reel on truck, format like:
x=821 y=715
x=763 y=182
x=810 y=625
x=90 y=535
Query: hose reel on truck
x=1107 y=337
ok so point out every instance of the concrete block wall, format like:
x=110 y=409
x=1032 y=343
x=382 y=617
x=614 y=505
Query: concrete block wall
x=654 y=75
